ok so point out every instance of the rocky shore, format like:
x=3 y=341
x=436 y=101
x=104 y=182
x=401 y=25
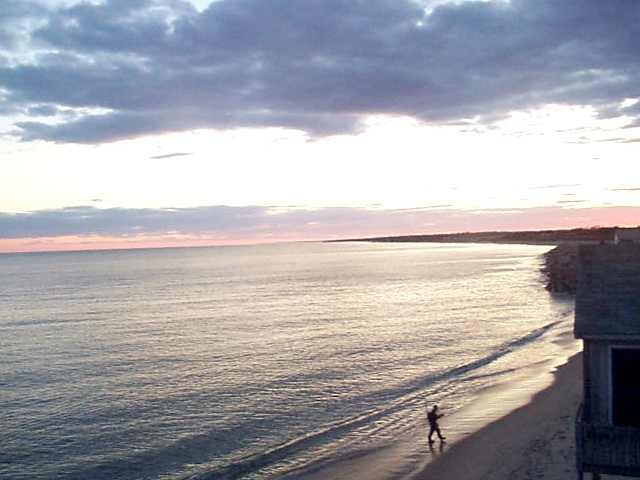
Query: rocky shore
x=559 y=268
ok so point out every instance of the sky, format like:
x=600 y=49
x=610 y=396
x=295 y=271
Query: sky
x=150 y=123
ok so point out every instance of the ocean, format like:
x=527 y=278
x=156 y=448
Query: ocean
x=257 y=362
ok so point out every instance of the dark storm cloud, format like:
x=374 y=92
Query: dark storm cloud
x=317 y=65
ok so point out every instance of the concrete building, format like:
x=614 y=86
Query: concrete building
x=607 y=319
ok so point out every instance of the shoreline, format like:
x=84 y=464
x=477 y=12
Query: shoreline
x=534 y=441
x=524 y=237
x=410 y=457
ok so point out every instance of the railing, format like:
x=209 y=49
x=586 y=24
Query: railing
x=607 y=449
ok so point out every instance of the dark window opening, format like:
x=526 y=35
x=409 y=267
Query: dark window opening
x=625 y=370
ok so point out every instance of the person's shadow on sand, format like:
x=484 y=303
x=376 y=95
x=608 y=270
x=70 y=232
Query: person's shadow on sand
x=436 y=452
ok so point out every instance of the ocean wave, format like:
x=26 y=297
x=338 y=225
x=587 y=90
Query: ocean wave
x=260 y=460
x=404 y=397
x=35 y=322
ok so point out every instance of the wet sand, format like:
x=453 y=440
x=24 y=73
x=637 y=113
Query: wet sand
x=532 y=438
x=521 y=428
x=535 y=441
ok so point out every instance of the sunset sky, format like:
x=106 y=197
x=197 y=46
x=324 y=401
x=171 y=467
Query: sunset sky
x=131 y=123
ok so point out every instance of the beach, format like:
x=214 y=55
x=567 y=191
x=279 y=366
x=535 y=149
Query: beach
x=517 y=431
x=535 y=441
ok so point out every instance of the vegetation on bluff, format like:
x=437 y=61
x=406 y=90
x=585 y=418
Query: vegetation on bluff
x=536 y=237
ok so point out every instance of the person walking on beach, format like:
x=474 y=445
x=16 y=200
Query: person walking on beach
x=432 y=417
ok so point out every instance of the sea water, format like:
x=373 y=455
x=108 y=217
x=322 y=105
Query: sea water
x=254 y=361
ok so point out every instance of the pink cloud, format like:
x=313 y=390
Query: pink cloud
x=232 y=226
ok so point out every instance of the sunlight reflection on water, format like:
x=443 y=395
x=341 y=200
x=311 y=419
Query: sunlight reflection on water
x=254 y=359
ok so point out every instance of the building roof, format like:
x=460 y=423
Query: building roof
x=608 y=291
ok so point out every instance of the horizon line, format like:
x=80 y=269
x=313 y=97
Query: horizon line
x=322 y=240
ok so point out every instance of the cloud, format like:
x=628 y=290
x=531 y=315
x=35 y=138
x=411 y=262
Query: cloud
x=153 y=66
x=550 y=187
x=637 y=189
x=171 y=155
x=260 y=223
x=14 y=18
x=560 y=202
x=428 y=207
x=42 y=111
x=89 y=220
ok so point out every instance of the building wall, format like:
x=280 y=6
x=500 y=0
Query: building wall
x=608 y=291
x=597 y=381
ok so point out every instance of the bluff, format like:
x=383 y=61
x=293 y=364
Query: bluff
x=559 y=268
x=531 y=237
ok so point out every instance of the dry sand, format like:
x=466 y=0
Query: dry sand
x=533 y=442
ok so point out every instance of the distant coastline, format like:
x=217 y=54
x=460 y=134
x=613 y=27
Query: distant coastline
x=533 y=237
x=559 y=268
